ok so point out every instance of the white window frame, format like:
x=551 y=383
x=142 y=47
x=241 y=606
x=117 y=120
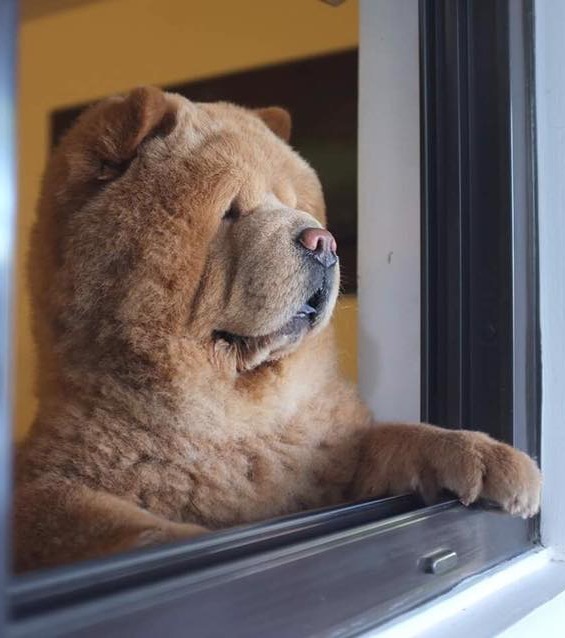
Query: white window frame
x=389 y=209
x=527 y=594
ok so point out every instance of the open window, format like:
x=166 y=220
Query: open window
x=448 y=299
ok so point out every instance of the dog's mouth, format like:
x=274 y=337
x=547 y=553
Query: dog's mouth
x=309 y=312
x=308 y=315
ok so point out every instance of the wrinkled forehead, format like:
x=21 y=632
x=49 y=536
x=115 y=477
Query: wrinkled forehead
x=231 y=132
x=226 y=140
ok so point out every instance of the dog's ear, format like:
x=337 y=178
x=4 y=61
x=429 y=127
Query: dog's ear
x=104 y=140
x=125 y=122
x=108 y=135
x=277 y=119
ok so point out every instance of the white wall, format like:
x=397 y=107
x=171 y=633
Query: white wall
x=389 y=209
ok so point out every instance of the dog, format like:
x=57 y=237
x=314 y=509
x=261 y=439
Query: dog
x=183 y=283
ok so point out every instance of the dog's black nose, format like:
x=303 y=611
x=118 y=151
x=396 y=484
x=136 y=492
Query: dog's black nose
x=321 y=244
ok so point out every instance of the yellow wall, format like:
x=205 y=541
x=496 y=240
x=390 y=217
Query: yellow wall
x=72 y=52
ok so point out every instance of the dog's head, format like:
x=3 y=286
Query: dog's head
x=162 y=218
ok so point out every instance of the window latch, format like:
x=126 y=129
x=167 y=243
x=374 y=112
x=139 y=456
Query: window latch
x=439 y=562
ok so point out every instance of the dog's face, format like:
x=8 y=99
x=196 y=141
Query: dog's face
x=170 y=218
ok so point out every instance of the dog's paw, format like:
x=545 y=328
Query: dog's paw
x=476 y=466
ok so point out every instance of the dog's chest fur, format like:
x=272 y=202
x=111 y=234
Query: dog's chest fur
x=218 y=475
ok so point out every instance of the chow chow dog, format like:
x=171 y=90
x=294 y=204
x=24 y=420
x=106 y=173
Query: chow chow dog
x=183 y=284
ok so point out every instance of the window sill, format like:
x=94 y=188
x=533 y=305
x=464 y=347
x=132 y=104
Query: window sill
x=340 y=582
x=504 y=601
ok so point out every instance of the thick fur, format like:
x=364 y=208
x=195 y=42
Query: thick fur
x=178 y=391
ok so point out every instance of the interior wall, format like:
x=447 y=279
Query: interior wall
x=79 y=52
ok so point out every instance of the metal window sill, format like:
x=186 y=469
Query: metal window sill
x=340 y=582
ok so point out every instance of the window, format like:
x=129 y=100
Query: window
x=470 y=270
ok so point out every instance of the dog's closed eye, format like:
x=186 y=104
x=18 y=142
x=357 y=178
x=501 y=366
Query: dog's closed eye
x=232 y=214
x=111 y=170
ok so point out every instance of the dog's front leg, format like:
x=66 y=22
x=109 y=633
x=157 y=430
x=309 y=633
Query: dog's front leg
x=398 y=458
x=57 y=522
